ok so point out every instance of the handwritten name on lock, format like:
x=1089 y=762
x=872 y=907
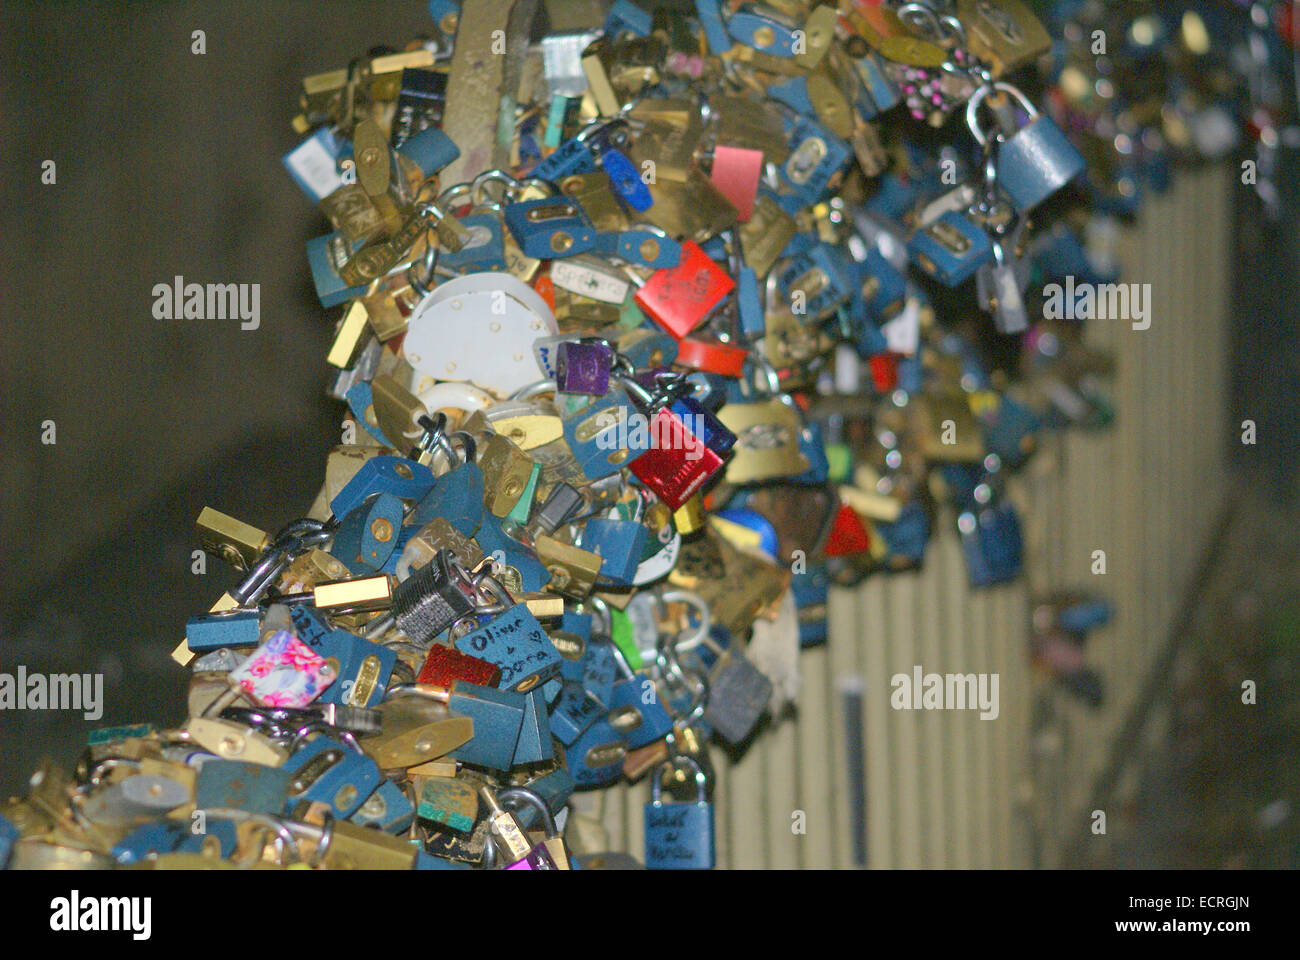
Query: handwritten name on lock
x=515 y=642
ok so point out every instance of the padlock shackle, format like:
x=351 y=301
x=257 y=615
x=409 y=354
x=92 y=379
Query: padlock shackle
x=701 y=779
x=514 y=797
x=977 y=100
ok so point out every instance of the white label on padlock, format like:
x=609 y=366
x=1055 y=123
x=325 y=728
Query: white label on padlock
x=903 y=333
x=659 y=565
x=480 y=328
x=313 y=168
x=586 y=281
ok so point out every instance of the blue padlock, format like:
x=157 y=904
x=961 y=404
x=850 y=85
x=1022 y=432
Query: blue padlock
x=145 y=841
x=595 y=759
x=749 y=305
x=430 y=150
x=515 y=641
x=1010 y=433
x=498 y=717
x=535 y=744
x=360 y=398
x=642 y=245
x=793 y=93
x=709 y=13
x=8 y=837
x=555 y=789
x=626 y=17
x=991 y=543
x=596 y=670
x=763 y=29
x=625 y=180
x=484 y=249
x=313 y=164
x=327 y=771
x=816 y=155
x=427 y=861
x=951 y=248
x=907 y=536
x=367 y=534
x=1084 y=615
x=533 y=575
x=325 y=255
x=398 y=476
x=571 y=157
x=388 y=809
x=219 y=836
x=636 y=709
x=575 y=712
x=1034 y=162
x=457 y=497
x=600 y=435
x=228 y=628
x=811 y=590
x=550 y=227
x=619 y=542
x=679 y=836
x=238 y=785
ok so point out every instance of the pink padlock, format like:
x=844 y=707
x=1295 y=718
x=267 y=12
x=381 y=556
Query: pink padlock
x=736 y=173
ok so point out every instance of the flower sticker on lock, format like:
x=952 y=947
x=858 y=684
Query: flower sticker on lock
x=283 y=672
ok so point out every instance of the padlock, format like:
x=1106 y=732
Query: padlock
x=635 y=710
x=991 y=543
x=584 y=366
x=528 y=801
x=575 y=712
x=515 y=641
x=432 y=598
x=679 y=836
x=951 y=249
x=601 y=437
x=596 y=757
x=619 y=542
x=1034 y=162
x=767 y=441
x=550 y=227
x=449 y=802
x=680 y=298
x=738 y=694
x=366 y=537
x=388 y=809
x=514 y=848
x=324 y=769
x=227 y=628
x=445 y=665
x=239 y=785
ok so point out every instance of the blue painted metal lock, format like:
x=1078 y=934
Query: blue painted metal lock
x=430 y=150
x=626 y=181
x=619 y=542
x=1034 y=162
x=325 y=255
x=601 y=437
x=679 y=836
x=533 y=575
x=362 y=667
x=220 y=836
x=484 y=249
x=571 y=157
x=231 y=628
x=360 y=398
x=813 y=285
x=238 y=785
x=388 y=809
x=555 y=789
x=764 y=30
x=880 y=287
x=596 y=670
x=498 y=717
x=811 y=590
x=398 y=476
x=8 y=837
x=878 y=92
x=550 y=227
x=749 y=304
x=636 y=709
x=327 y=771
x=427 y=861
x=626 y=17
x=816 y=155
x=1010 y=433
x=907 y=536
x=704 y=424
x=535 y=744
x=951 y=248
x=367 y=535
x=1084 y=615
x=645 y=246
x=793 y=93
x=457 y=497
x=991 y=543
x=596 y=757
x=575 y=712
x=515 y=642
x=144 y=841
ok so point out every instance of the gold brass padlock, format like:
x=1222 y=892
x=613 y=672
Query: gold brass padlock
x=573 y=570
x=506 y=472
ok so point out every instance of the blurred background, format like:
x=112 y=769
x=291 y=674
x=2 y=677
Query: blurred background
x=168 y=163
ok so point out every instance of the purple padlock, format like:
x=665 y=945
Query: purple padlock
x=583 y=366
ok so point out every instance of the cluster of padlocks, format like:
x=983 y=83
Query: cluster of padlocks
x=694 y=327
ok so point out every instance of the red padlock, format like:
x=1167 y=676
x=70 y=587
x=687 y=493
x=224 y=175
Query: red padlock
x=445 y=665
x=710 y=356
x=736 y=174
x=679 y=298
x=848 y=535
x=677 y=464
